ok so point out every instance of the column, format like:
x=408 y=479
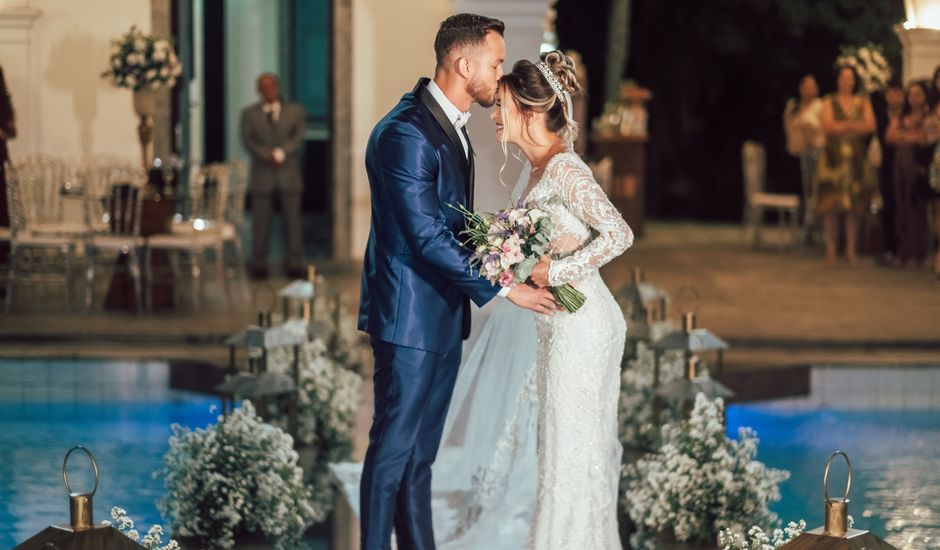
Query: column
x=524 y=25
x=920 y=39
x=21 y=71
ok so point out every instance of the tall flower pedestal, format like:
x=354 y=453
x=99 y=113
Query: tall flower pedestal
x=145 y=105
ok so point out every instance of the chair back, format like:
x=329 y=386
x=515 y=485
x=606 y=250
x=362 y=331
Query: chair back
x=100 y=177
x=603 y=171
x=238 y=188
x=42 y=180
x=209 y=192
x=15 y=202
x=754 y=164
x=124 y=207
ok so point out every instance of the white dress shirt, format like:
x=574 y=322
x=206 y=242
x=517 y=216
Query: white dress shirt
x=454 y=115
x=459 y=120
x=273 y=110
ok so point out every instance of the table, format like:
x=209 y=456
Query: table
x=629 y=173
x=155 y=218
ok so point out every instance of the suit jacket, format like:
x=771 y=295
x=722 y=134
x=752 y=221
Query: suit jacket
x=415 y=278
x=260 y=137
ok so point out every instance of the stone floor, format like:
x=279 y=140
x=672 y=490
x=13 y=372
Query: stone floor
x=775 y=307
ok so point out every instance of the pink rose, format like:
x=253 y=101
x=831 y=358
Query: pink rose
x=507 y=278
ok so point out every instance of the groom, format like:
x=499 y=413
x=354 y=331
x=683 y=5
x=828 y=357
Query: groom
x=416 y=284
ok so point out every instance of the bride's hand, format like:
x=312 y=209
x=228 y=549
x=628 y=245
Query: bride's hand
x=540 y=271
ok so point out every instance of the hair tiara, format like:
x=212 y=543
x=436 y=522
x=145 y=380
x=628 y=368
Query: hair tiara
x=560 y=92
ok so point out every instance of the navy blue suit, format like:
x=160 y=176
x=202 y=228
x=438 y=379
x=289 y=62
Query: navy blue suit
x=414 y=303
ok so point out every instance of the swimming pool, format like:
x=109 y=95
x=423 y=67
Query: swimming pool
x=120 y=410
x=887 y=420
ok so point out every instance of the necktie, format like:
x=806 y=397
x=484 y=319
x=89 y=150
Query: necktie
x=270 y=113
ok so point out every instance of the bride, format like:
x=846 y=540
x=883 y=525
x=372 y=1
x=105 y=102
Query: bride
x=529 y=456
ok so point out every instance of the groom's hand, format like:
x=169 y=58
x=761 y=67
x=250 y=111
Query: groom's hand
x=538 y=300
x=540 y=271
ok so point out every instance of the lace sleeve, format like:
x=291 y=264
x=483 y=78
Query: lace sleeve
x=584 y=198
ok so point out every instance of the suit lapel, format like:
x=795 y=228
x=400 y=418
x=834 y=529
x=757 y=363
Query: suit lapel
x=424 y=96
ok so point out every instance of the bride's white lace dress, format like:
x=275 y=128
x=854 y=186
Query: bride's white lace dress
x=530 y=457
x=578 y=368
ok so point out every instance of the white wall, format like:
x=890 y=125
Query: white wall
x=393 y=46
x=63 y=106
x=251 y=48
x=388 y=60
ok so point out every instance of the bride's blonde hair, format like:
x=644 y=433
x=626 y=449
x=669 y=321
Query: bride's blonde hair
x=543 y=87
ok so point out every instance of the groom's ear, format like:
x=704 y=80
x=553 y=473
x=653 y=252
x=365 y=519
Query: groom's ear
x=463 y=66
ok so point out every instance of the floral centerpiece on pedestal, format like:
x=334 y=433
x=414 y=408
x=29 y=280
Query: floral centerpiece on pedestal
x=700 y=481
x=870 y=64
x=144 y=63
x=237 y=478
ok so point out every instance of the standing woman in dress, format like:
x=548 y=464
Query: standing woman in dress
x=908 y=134
x=933 y=189
x=845 y=179
x=805 y=139
x=7 y=132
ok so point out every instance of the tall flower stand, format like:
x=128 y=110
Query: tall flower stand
x=145 y=105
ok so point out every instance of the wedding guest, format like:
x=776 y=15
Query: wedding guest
x=932 y=192
x=802 y=122
x=272 y=131
x=845 y=178
x=908 y=134
x=889 y=108
x=7 y=132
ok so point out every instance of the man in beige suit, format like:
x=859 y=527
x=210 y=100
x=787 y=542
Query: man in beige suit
x=273 y=132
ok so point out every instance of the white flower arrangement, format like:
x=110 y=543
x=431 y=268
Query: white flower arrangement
x=757 y=539
x=153 y=540
x=700 y=481
x=327 y=400
x=637 y=429
x=238 y=477
x=870 y=64
x=142 y=61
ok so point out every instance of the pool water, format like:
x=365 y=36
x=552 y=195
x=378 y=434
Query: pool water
x=121 y=411
x=895 y=458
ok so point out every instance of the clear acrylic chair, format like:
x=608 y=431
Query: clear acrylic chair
x=116 y=216
x=197 y=233
x=42 y=248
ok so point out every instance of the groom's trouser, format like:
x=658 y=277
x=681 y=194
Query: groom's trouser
x=412 y=390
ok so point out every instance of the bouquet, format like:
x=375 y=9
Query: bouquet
x=140 y=61
x=508 y=244
x=870 y=64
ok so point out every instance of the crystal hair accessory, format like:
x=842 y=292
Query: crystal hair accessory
x=552 y=81
x=560 y=92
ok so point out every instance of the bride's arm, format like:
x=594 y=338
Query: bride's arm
x=586 y=200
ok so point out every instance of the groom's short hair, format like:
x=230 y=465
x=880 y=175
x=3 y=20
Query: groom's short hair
x=463 y=29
